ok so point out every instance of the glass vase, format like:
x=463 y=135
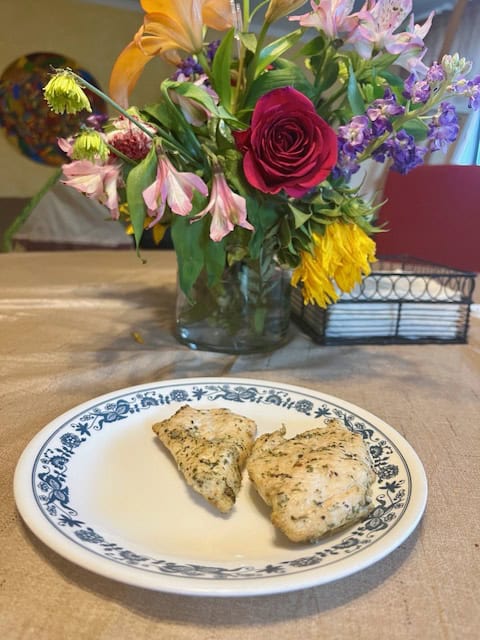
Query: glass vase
x=248 y=311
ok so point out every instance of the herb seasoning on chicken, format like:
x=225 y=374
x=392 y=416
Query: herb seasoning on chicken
x=210 y=447
x=315 y=482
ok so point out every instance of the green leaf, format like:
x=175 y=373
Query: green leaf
x=385 y=60
x=318 y=228
x=161 y=113
x=416 y=128
x=139 y=178
x=314 y=47
x=392 y=79
x=328 y=77
x=249 y=41
x=232 y=168
x=186 y=238
x=299 y=216
x=301 y=240
x=325 y=217
x=191 y=91
x=195 y=251
x=178 y=122
x=221 y=69
x=263 y=217
x=199 y=95
x=222 y=134
x=354 y=96
x=215 y=258
x=276 y=49
x=286 y=74
x=284 y=233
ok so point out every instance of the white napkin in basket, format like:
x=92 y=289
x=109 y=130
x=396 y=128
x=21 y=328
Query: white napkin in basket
x=392 y=309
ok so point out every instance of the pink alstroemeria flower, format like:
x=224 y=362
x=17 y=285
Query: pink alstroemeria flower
x=171 y=187
x=96 y=181
x=377 y=23
x=411 y=59
x=330 y=16
x=226 y=207
x=66 y=145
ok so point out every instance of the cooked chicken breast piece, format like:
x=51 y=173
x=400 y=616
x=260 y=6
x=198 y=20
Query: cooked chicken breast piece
x=315 y=482
x=210 y=447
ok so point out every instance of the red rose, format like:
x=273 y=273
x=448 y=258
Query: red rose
x=288 y=146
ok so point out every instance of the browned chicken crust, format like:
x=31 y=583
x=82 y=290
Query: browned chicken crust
x=315 y=482
x=210 y=447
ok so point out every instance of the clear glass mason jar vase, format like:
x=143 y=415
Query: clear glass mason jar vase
x=248 y=311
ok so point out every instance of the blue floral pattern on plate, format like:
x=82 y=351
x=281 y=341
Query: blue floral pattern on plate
x=399 y=495
x=50 y=473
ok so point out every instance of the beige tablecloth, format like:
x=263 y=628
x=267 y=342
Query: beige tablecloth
x=68 y=323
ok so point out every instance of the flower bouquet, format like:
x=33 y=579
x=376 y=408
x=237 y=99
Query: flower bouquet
x=248 y=153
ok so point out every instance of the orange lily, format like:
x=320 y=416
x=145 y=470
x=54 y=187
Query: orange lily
x=168 y=25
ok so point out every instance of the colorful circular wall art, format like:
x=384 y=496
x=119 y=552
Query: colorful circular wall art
x=28 y=122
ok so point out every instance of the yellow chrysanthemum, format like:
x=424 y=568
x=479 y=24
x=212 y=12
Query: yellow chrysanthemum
x=341 y=256
x=90 y=145
x=64 y=94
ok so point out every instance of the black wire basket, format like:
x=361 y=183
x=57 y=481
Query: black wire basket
x=403 y=301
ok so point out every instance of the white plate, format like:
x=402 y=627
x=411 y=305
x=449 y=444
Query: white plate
x=98 y=487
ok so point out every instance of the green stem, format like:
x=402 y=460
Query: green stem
x=258 y=7
x=163 y=134
x=400 y=122
x=246 y=14
x=334 y=97
x=82 y=82
x=241 y=53
x=202 y=59
x=239 y=84
x=252 y=67
x=121 y=155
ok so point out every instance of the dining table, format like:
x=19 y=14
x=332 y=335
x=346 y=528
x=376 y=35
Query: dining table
x=86 y=324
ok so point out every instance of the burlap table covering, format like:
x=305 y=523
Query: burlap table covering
x=67 y=334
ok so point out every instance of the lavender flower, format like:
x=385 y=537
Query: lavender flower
x=435 y=73
x=96 y=121
x=355 y=135
x=212 y=50
x=403 y=151
x=347 y=163
x=474 y=93
x=443 y=127
x=418 y=91
x=381 y=110
x=469 y=89
x=353 y=138
x=454 y=65
x=195 y=144
x=187 y=68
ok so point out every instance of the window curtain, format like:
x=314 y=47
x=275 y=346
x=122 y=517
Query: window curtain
x=466 y=150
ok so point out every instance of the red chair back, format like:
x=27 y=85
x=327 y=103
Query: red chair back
x=433 y=213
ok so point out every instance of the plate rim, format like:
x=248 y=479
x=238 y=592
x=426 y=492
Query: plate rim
x=85 y=558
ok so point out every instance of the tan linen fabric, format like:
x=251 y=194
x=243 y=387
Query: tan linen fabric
x=67 y=327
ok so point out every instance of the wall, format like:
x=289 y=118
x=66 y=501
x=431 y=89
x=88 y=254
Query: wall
x=91 y=34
